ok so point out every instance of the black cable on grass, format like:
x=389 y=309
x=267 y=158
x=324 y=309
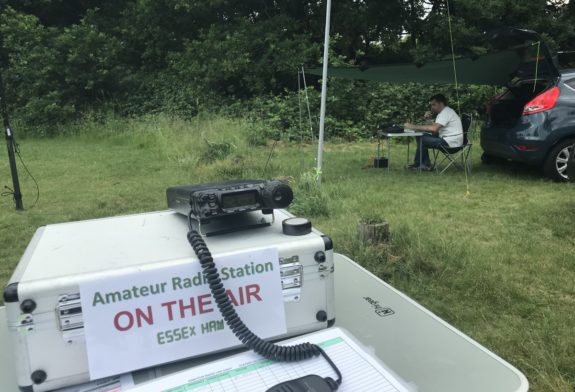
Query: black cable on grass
x=10 y=191
x=17 y=151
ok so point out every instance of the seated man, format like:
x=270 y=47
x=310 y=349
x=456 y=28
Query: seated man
x=446 y=131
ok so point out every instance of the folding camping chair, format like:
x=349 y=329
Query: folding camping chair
x=453 y=154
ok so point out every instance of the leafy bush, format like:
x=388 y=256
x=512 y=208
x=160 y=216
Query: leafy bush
x=184 y=60
x=309 y=198
x=372 y=218
x=354 y=108
x=55 y=74
x=216 y=151
x=259 y=134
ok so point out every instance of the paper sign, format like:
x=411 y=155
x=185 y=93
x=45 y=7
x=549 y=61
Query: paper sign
x=159 y=315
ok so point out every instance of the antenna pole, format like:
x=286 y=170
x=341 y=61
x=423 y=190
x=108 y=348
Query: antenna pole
x=10 y=144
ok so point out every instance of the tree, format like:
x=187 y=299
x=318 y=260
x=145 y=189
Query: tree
x=148 y=55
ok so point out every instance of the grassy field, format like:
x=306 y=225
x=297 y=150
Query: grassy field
x=497 y=263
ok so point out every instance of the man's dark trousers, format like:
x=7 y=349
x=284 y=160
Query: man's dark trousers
x=425 y=142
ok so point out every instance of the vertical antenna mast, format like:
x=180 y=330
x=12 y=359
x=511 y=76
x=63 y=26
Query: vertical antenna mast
x=10 y=144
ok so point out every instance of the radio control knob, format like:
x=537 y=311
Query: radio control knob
x=276 y=194
x=296 y=226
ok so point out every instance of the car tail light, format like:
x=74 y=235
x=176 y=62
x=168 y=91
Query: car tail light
x=526 y=147
x=542 y=102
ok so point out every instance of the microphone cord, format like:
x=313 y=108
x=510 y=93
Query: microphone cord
x=267 y=350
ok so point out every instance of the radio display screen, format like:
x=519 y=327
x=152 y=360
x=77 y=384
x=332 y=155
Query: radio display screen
x=234 y=200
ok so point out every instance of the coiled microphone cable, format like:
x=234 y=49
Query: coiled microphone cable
x=248 y=338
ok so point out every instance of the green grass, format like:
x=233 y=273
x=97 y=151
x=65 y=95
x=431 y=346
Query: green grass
x=497 y=263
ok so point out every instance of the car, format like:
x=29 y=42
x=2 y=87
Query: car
x=532 y=121
x=571 y=165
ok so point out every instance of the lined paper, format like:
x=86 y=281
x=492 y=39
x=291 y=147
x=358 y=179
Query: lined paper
x=249 y=372
x=110 y=384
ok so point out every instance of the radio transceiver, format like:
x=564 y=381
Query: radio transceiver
x=208 y=201
x=225 y=207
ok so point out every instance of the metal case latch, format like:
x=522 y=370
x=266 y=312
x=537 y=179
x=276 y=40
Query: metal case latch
x=291 y=272
x=69 y=312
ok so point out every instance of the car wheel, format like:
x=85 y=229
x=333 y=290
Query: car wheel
x=556 y=164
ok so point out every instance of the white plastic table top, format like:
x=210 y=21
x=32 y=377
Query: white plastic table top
x=403 y=134
x=425 y=351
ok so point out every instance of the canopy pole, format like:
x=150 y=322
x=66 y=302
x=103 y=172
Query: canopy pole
x=323 y=91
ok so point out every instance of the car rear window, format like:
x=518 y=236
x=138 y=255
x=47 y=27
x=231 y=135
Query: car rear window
x=571 y=83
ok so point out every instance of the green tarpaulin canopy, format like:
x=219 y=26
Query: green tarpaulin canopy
x=491 y=69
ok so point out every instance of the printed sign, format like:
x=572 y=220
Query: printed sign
x=159 y=315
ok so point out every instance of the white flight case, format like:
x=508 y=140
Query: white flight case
x=42 y=297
